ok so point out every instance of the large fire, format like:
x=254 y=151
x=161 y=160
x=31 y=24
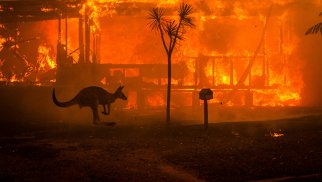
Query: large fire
x=215 y=54
x=45 y=61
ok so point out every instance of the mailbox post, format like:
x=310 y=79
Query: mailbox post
x=205 y=95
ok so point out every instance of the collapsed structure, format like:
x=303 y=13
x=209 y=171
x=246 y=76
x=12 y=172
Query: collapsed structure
x=240 y=49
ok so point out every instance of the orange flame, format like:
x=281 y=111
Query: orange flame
x=275 y=86
x=45 y=61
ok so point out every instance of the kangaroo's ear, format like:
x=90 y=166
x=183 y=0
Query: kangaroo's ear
x=120 y=88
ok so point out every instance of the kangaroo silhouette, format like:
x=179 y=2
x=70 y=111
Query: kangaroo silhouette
x=93 y=97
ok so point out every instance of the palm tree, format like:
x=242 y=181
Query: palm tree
x=315 y=29
x=170 y=31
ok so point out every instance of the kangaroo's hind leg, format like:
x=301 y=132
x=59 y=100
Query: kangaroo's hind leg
x=108 y=108
x=104 y=112
x=96 y=118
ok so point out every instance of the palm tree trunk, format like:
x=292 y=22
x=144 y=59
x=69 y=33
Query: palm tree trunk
x=169 y=89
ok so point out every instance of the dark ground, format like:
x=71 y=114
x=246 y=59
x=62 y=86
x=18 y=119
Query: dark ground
x=228 y=151
x=40 y=142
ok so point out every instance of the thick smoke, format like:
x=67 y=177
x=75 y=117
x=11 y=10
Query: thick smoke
x=309 y=52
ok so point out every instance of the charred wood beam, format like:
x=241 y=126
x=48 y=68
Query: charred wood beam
x=23 y=3
x=11 y=19
x=81 y=40
x=21 y=16
x=252 y=61
x=37 y=10
x=87 y=36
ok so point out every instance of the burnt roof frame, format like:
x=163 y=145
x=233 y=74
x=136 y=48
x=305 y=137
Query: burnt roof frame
x=13 y=11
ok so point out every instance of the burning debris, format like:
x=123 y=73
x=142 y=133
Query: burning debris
x=276 y=135
x=243 y=50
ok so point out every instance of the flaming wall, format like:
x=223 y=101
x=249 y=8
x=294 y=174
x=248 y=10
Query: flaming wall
x=215 y=54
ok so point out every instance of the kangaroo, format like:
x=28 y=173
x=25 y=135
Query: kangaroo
x=93 y=97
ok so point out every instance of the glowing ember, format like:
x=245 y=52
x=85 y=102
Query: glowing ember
x=46 y=9
x=14 y=79
x=276 y=135
x=104 y=81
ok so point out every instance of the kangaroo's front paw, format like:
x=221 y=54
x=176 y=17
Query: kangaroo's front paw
x=105 y=113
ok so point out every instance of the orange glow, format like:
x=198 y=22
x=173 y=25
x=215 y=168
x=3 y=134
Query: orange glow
x=46 y=9
x=167 y=2
x=45 y=61
x=14 y=79
x=215 y=54
x=155 y=99
x=2 y=40
x=276 y=135
x=132 y=72
x=131 y=102
x=239 y=11
x=104 y=81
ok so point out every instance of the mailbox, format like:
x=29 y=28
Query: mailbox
x=206 y=94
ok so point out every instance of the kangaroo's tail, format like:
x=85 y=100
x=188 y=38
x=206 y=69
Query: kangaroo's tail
x=62 y=104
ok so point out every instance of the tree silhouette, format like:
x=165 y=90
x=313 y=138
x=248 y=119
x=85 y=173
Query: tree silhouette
x=315 y=29
x=170 y=31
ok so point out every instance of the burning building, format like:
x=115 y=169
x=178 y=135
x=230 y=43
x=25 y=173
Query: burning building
x=246 y=51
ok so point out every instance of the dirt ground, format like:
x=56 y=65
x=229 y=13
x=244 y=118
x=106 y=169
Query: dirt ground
x=278 y=150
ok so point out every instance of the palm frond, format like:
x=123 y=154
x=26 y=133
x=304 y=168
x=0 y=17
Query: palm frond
x=184 y=11
x=315 y=29
x=171 y=28
x=156 y=18
x=188 y=21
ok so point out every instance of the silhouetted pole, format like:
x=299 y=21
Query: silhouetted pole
x=81 y=39
x=205 y=113
x=87 y=36
x=59 y=54
x=66 y=33
x=205 y=95
x=94 y=60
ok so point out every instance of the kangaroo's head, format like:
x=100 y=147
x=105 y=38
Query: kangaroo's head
x=119 y=94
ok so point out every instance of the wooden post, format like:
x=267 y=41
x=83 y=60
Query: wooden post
x=196 y=73
x=195 y=102
x=94 y=49
x=267 y=72
x=231 y=71
x=249 y=75
x=59 y=55
x=81 y=40
x=66 y=33
x=205 y=95
x=98 y=48
x=205 y=113
x=87 y=36
x=213 y=72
